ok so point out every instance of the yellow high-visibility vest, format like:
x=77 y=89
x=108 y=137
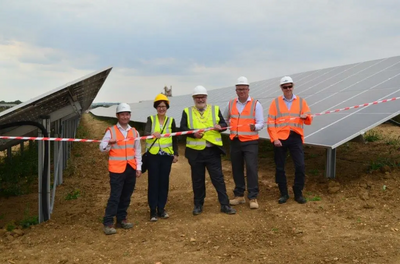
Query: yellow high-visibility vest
x=164 y=143
x=209 y=119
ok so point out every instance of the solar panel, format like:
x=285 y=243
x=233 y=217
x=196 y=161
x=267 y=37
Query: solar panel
x=68 y=100
x=324 y=89
x=59 y=110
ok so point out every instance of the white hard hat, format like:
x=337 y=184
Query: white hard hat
x=286 y=79
x=199 y=90
x=123 y=107
x=242 y=81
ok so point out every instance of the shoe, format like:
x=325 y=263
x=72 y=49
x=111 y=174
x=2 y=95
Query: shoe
x=124 y=224
x=227 y=209
x=163 y=215
x=109 y=230
x=153 y=218
x=283 y=199
x=253 y=204
x=198 y=209
x=300 y=199
x=237 y=200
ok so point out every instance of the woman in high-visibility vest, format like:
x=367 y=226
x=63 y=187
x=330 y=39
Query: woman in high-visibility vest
x=163 y=152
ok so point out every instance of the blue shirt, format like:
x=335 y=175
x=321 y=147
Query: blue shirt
x=289 y=102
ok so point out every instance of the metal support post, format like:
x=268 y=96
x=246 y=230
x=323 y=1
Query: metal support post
x=330 y=168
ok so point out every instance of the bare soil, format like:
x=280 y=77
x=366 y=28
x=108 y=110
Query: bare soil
x=354 y=218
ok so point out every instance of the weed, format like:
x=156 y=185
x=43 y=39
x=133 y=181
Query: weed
x=359 y=220
x=314 y=199
x=2 y=216
x=381 y=162
x=73 y=195
x=28 y=219
x=274 y=229
x=372 y=136
x=16 y=179
x=10 y=226
x=314 y=172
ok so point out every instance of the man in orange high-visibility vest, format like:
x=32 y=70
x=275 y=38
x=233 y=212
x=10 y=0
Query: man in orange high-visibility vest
x=124 y=165
x=246 y=118
x=286 y=118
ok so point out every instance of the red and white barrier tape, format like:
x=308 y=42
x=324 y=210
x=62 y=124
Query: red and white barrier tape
x=187 y=132
x=97 y=140
x=346 y=108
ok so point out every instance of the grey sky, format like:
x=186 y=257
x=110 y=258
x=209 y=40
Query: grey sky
x=45 y=44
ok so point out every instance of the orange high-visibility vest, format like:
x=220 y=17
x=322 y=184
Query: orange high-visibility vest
x=122 y=152
x=281 y=121
x=240 y=123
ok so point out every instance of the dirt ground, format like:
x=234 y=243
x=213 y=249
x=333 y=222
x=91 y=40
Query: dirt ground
x=354 y=218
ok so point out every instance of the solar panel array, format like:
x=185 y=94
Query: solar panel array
x=68 y=100
x=324 y=90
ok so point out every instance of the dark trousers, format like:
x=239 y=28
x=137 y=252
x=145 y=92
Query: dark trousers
x=158 y=182
x=295 y=146
x=242 y=152
x=209 y=158
x=122 y=185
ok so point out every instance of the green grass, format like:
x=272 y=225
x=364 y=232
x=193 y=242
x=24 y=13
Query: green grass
x=16 y=179
x=314 y=199
x=381 y=162
x=10 y=226
x=28 y=219
x=372 y=136
x=73 y=195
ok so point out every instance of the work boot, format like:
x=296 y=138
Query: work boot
x=109 y=230
x=237 y=200
x=124 y=224
x=283 y=199
x=298 y=196
x=198 y=209
x=227 y=209
x=284 y=193
x=253 y=204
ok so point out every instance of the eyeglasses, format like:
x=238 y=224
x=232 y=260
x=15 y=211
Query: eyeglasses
x=161 y=107
x=200 y=97
x=287 y=87
x=242 y=89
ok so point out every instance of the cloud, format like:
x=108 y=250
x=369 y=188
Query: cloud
x=184 y=43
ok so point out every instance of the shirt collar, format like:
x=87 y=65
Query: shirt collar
x=248 y=100
x=289 y=100
x=121 y=128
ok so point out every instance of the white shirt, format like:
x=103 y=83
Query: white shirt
x=240 y=106
x=104 y=147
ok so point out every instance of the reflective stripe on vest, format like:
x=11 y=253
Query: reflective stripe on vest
x=240 y=123
x=290 y=115
x=210 y=118
x=164 y=143
x=122 y=152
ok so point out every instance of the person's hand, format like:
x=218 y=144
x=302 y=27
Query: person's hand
x=252 y=127
x=217 y=127
x=175 y=160
x=112 y=141
x=156 y=134
x=277 y=143
x=303 y=116
x=138 y=173
x=198 y=134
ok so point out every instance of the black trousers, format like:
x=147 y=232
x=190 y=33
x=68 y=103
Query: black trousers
x=158 y=182
x=295 y=146
x=242 y=152
x=209 y=158
x=122 y=185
